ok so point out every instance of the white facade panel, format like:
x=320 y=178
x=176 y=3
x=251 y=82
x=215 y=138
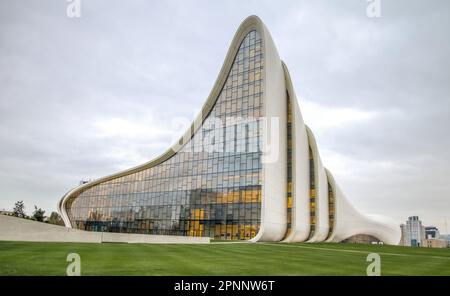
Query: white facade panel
x=273 y=208
x=321 y=187
x=350 y=222
x=300 y=170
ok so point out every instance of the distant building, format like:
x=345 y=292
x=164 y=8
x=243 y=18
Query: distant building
x=447 y=238
x=403 y=233
x=7 y=213
x=434 y=243
x=413 y=233
x=433 y=239
x=431 y=232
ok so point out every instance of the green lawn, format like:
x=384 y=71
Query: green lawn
x=24 y=258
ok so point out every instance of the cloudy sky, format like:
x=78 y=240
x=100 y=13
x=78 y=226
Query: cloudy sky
x=84 y=97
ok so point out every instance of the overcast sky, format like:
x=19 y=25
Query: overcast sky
x=81 y=98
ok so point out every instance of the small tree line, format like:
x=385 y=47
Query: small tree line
x=37 y=215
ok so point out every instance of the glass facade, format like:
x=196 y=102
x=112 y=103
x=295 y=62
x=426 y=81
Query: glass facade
x=312 y=194
x=211 y=187
x=289 y=165
x=331 y=209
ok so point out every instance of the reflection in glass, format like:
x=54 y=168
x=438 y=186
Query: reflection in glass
x=197 y=192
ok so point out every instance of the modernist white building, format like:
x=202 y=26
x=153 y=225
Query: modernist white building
x=248 y=168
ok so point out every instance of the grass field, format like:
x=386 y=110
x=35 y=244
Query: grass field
x=24 y=258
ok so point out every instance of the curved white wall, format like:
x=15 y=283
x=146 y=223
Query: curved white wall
x=321 y=185
x=322 y=227
x=274 y=204
x=300 y=170
x=350 y=222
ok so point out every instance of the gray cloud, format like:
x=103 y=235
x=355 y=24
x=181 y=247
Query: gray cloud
x=73 y=92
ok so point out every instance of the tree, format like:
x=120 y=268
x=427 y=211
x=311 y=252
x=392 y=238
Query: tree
x=56 y=219
x=38 y=214
x=19 y=209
